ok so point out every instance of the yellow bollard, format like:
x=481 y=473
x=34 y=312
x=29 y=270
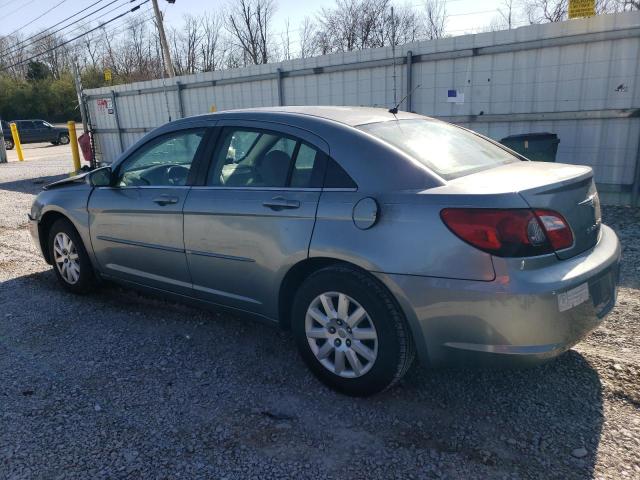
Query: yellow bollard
x=16 y=141
x=213 y=108
x=73 y=140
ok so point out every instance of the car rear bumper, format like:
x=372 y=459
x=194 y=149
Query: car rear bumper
x=534 y=309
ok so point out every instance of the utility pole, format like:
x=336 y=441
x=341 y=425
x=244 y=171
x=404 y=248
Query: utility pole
x=78 y=82
x=163 y=40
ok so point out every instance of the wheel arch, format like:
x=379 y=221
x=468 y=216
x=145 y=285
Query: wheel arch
x=301 y=270
x=44 y=226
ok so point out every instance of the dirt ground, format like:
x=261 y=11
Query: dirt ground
x=119 y=385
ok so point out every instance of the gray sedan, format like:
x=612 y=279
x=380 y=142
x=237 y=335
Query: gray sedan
x=372 y=236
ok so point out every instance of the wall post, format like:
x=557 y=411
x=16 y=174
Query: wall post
x=280 y=91
x=409 y=80
x=117 y=119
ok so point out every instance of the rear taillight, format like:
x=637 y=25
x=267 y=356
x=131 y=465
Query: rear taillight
x=558 y=231
x=509 y=233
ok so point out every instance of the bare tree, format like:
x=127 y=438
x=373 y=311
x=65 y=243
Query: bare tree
x=545 y=11
x=627 y=5
x=404 y=26
x=186 y=44
x=249 y=22
x=212 y=46
x=435 y=12
x=308 y=38
x=52 y=53
x=286 y=41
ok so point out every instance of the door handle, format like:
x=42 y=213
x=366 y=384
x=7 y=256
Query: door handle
x=166 y=200
x=281 y=203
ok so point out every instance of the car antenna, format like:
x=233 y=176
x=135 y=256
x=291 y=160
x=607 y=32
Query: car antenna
x=394 y=110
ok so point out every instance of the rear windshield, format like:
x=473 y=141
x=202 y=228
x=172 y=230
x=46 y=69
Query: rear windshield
x=449 y=151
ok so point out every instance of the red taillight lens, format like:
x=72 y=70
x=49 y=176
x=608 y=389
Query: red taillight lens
x=508 y=233
x=557 y=229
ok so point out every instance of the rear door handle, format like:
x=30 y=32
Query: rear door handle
x=281 y=203
x=166 y=200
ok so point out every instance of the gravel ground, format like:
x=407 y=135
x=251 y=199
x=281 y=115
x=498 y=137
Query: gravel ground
x=120 y=385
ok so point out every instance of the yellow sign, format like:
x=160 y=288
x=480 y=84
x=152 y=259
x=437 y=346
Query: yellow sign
x=107 y=75
x=582 y=8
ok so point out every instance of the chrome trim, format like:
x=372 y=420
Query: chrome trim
x=589 y=200
x=200 y=288
x=271 y=189
x=219 y=255
x=257 y=189
x=147 y=275
x=148 y=187
x=139 y=244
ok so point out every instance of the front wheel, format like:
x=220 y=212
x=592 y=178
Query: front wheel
x=63 y=139
x=8 y=144
x=70 y=260
x=350 y=331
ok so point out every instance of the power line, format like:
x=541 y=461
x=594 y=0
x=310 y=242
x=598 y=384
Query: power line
x=47 y=33
x=19 y=8
x=8 y=3
x=37 y=18
x=76 y=37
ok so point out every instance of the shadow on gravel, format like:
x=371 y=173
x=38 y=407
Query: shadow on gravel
x=30 y=185
x=125 y=381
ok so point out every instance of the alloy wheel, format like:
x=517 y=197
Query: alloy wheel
x=66 y=258
x=341 y=334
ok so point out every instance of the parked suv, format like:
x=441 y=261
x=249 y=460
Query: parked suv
x=35 y=131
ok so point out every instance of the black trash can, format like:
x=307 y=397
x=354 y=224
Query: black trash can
x=541 y=147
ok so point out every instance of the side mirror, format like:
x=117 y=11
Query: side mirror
x=100 y=177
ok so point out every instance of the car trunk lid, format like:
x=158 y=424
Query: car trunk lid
x=566 y=189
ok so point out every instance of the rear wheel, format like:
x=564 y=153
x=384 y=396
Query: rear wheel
x=63 y=139
x=350 y=332
x=8 y=144
x=71 y=262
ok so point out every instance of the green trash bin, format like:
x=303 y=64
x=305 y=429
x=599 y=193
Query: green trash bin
x=541 y=147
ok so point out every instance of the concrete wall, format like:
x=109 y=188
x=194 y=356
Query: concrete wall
x=578 y=79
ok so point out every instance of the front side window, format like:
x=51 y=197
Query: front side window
x=449 y=151
x=263 y=159
x=164 y=161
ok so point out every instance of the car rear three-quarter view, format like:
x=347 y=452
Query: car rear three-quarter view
x=372 y=236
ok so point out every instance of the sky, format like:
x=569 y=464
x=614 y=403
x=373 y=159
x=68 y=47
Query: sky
x=463 y=16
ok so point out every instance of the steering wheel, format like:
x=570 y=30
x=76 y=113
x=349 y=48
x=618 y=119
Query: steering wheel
x=177 y=175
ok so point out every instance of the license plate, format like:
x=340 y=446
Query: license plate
x=574 y=297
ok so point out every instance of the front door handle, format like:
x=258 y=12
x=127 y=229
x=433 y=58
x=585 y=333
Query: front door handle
x=166 y=200
x=281 y=203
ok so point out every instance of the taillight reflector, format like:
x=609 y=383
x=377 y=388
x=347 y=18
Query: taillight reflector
x=557 y=229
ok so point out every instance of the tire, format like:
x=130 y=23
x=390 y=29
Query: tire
x=55 y=142
x=63 y=139
x=393 y=347
x=85 y=280
x=8 y=144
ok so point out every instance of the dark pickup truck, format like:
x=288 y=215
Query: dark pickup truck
x=35 y=131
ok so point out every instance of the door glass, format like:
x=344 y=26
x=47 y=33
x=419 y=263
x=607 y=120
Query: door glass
x=252 y=158
x=164 y=161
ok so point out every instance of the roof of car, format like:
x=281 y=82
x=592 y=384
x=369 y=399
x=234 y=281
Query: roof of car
x=348 y=115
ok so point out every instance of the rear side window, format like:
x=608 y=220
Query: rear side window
x=449 y=151
x=336 y=177
x=251 y=158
